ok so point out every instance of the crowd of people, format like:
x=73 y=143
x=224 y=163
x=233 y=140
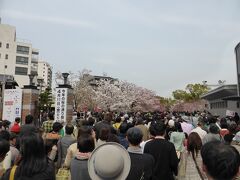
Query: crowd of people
x=119 y=146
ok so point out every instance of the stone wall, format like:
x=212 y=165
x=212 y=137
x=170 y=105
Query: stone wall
x=30 y=103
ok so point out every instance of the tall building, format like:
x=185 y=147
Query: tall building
x=45 y=73
x=17 y=58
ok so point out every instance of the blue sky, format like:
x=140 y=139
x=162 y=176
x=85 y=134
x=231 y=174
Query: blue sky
x=160 y=45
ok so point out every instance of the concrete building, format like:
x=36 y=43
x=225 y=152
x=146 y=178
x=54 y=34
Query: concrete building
x=45 y=73
x=17 y=58
x=222 y=99
x=93 y=80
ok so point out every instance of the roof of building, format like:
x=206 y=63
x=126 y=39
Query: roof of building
x=221 y=92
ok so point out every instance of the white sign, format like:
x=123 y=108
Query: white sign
x=61 y=104
x=12 y=104
x=230 y=113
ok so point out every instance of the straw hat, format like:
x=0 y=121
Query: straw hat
x=109 y=161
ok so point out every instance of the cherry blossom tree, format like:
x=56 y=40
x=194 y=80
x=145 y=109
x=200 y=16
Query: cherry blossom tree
x=83 y=93
x=110 y=94
x=189 y=106
x=125 y=96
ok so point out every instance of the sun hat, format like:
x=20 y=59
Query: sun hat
x=171 y=123
x=109 y=161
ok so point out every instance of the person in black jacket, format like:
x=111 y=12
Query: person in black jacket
x=141 y=164
x=164 y=153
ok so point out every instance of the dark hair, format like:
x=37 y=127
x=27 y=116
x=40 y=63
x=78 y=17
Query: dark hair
x=222 y=161
x=13 y=136
x=17 y=119
x=57 y=126
x=224 y=124
x=118 y=119
x=134 y=136
x=6 y=124
x=84 y=130
x=178 y=126
x=158 y=128
x=113 y=138
x=103 y=135
x=152 y=129
x=91 y=121
x=194 y=144
x=69 y=129
x=34 y=159
x=213 y=129
x=85 y=122
x=51 y=116
x=29 y=119
x=85 y=143
x=139 y=121
x=4 y=148
x=123 y=128
x=5 y=135
x=108 y=117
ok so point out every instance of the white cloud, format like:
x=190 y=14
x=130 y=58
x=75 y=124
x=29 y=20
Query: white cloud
x=48 y=19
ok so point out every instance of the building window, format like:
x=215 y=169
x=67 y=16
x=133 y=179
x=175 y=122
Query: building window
x=225 y=104
x=5 y=66
x=35 y=53
x=22 y=60
x=219 y=105
x=238 y=105
x=21 y=70
x=7 y=45
x=22 y=49
x=6 y=56
x=0 y=55
x=0 y=44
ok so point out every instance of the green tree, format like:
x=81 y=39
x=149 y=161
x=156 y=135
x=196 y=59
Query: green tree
x=167 y=102
x=193 y=92
x=45 y=100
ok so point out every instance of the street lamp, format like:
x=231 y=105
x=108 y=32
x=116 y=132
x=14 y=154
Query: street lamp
x=65 y=78
x=31 y=76
x=221 y=82
x=204 y=82
x=40 y=83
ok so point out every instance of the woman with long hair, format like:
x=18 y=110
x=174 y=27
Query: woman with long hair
x=177 y=138
x=33 y=163
x=193 y=158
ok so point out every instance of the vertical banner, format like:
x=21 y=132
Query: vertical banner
x=61 y=104
x=237 y=52
x=12 y=104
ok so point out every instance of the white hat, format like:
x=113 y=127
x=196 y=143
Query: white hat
x=109 y=161
x=185 y=118
x=171 y=123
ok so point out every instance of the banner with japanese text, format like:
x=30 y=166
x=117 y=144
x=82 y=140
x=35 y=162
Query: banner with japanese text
x=12 y=104
x=61 y=105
